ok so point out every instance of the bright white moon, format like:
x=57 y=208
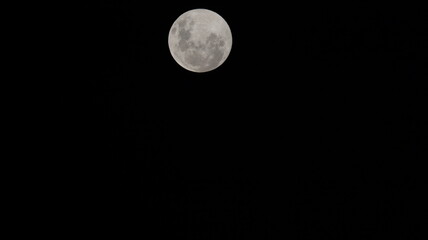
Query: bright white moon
x=200 y=40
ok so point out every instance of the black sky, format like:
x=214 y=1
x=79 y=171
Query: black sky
x=311 y=129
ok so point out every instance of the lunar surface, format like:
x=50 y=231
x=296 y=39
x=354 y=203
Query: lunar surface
x=200 y=40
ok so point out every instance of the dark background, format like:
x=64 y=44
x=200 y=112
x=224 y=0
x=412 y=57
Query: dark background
x=311 y=129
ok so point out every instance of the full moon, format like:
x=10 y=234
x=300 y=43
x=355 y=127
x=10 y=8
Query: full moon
x=200 y=40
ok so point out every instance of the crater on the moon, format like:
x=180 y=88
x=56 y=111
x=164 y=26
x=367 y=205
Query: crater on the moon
x=184 y=39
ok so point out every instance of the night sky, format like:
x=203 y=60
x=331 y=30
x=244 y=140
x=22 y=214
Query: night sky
x=311 y=129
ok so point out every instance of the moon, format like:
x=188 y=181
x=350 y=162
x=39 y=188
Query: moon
x=200 y=40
